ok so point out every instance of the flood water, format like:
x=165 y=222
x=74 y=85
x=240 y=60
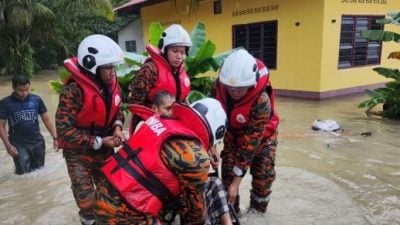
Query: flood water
x=322 y=178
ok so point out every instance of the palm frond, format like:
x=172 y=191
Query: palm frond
x=19 y=19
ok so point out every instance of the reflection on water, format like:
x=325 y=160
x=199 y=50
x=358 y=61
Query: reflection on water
x=322 y=178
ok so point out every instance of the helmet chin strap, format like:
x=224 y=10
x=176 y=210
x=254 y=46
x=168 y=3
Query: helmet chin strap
x=98 y=80
x=257 y=77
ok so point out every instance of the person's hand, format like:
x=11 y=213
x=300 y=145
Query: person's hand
x=55 y=144
x=119 y=134
x=117 y=141
x=232 y=193
x=108 y=142
x=12 y=150
x=214 y=157
x=111 y=142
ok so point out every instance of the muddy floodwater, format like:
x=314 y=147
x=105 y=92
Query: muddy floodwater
x=351 y=177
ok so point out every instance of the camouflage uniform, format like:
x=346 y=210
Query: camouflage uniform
x=83 y=162
x=184 y=157
x=248 y=148
x=142 y=84
x=140 y=88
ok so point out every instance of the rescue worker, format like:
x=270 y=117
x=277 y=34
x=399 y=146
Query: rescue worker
x=89 y=117
x=244 y=90
x=164 y=164
x=163 y=70
x=215 y=194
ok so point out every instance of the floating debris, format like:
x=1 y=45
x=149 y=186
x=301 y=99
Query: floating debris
x=366 y=134
x=326 y=125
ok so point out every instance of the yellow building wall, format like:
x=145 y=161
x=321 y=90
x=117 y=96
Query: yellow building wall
x=333 y=78
x=307 y=53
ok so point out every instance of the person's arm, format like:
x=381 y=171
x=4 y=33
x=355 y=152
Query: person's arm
x=190 y=163
x=71 y=99
x=226 y=219
x=50 y=127
x=142 y=84
x=4 y=137
x=118 y=125
x=119 y=134
x=253 y=132
x=3 y=132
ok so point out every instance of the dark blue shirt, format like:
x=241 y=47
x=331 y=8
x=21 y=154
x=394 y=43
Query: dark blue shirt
x=22 y=116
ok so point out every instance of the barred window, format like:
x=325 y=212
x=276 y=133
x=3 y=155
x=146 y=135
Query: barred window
x=260 y=40
x=354 y=49
x=130 y=46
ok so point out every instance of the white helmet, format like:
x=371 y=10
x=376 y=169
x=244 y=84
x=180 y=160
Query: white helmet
x=239 y=70
x=97 y=50
x=174 y=35
x=212 y=112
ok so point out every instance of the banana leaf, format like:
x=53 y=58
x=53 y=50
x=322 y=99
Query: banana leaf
x=132 y=58
x=205 y=52
x=393 y=85
x=194 y=96
x=389 y=73
x=198 y=37
x=155 y=31
x=380 y=35
x=56 y=86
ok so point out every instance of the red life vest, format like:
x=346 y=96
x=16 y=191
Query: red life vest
x=240 y=113
x=141 y=111
x=273 y=122
x=166 y=81
x=93 y=113
x=137 y=171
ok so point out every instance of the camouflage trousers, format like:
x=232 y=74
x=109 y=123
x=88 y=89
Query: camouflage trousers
x=262 y=169
x=84 y=170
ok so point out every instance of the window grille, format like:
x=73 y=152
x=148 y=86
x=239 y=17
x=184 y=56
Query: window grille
x=355 y=50
x=259 y=39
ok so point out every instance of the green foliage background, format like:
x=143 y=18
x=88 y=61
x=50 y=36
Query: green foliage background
x=40 y=34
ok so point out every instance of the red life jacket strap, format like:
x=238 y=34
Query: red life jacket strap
x=147 y=180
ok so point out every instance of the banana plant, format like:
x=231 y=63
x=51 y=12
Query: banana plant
x=201 y=60
x=389 y=95
x=56 y=85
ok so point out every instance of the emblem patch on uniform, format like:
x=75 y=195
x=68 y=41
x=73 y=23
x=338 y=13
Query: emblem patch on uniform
x=187 y=82
x=117 y=100
x=240 y=118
